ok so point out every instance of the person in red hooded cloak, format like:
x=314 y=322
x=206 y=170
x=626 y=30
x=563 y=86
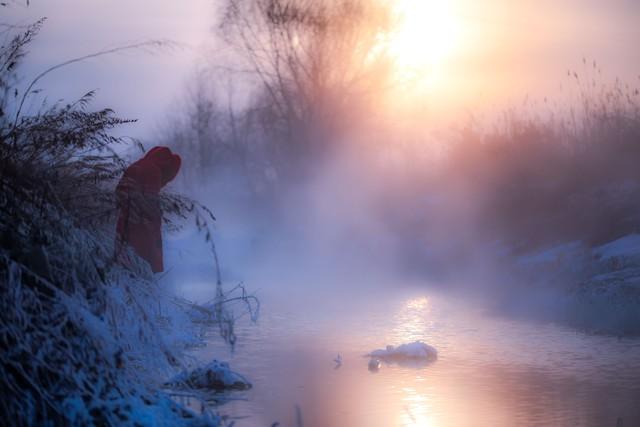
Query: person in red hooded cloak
x=140 y=218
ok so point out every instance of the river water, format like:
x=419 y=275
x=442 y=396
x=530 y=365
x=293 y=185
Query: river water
x=490 y=371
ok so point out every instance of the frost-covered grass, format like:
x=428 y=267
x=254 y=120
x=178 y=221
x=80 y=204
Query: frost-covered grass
x=85 y=340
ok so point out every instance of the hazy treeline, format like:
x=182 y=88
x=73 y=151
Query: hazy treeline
x=301 y=100
x=299 y=75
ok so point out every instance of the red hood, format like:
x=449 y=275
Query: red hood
x=166 y=161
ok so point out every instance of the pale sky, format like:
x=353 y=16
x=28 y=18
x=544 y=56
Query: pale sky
x=511 y=48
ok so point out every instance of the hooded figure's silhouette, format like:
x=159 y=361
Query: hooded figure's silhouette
x=140 y=217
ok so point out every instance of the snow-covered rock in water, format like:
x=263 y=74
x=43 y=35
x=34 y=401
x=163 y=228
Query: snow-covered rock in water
x=416 y=350
x=216 y=376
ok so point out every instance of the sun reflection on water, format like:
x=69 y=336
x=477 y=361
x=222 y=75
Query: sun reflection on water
x=412 y=321
x=416 y=409
x=418 y=303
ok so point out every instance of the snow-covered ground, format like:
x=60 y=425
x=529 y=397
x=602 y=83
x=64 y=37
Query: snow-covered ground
x=627 y=247
x=594 y=287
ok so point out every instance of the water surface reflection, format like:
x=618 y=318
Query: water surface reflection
x=490 y=371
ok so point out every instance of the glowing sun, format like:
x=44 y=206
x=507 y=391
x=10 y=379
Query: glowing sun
x=426 y=34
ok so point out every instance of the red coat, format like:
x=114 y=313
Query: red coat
x=140 y=217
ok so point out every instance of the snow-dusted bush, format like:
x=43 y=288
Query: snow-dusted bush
x=85 y=339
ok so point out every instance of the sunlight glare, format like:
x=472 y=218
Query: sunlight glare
x=427 y=34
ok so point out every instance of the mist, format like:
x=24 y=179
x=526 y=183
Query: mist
x=379 y=213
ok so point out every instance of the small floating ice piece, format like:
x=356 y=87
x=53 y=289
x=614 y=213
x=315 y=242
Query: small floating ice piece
x=415 y=350
x=216 y=376
x=338 y=361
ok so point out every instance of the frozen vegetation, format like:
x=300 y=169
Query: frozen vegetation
x=86 y=340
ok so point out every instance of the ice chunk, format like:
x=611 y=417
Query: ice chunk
x=415 y=350
x=216 y=376
x=374 y=365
